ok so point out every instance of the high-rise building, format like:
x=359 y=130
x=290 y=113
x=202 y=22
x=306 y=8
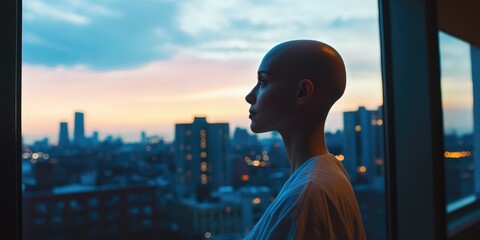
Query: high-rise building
x=91 y=212
x=63 y=138
x=210 y=219
x=201 y=151
x=143 y=137
x=364 y=143
x=241 y=137
x=79 y=129
x=95 y=138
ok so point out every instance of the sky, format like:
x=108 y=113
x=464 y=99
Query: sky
x=135 y=66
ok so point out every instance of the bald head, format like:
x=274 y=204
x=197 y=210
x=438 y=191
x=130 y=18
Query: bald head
x=297 y=60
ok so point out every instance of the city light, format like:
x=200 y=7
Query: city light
x=245 y=177
x=203 y=167
x=340 y=157
x=461 y=154
x=362 y=169
x=358 y=128
x=204 y=178
x=256 y=163
x=208 y=234
x=256 y=201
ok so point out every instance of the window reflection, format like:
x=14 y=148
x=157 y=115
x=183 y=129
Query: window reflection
x=458 y=115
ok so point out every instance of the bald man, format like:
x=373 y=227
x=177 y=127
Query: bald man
x=298 y=82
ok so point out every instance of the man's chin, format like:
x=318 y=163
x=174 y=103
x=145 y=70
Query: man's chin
x=257 y=129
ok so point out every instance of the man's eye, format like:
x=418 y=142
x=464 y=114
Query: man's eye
x=262 y=82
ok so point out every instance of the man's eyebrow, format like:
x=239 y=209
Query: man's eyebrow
x=264 y=72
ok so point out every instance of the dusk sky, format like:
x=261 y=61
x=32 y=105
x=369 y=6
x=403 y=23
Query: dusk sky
x=146 y=65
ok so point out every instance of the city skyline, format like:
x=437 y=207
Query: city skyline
x=139 y=135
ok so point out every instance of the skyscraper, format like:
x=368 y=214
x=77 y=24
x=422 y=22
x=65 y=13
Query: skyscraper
x=63 y=138
x=143 y=137
x=364 y=143
x=201 y=151
x=79 y=130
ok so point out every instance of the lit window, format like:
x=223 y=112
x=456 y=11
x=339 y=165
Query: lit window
x=203 y=167
x=358 y=128
x=362 y=169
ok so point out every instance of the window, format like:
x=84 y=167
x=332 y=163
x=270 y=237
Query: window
x=112 y=129
x=457 y=100
x=406 y=18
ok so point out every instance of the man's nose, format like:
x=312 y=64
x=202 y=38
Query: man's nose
x=251 y=98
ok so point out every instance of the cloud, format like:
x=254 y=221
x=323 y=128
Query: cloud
x=102 y=34
x=110 y=34
x=455 y=60
x=72 y=11
x=226 y=14
x=248 y=29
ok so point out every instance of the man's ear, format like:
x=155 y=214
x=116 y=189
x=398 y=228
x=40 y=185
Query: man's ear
x=305 y=91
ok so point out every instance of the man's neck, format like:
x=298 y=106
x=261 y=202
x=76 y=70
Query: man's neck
x=303 y=143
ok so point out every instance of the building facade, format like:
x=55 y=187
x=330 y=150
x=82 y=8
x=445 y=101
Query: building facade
x=63 y=137
x=364 y=143
x=79 y=129
x=201 y=154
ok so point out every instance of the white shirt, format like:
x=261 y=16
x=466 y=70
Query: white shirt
x=316 y=202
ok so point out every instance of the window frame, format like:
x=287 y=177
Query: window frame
x=414 y=124
x=410 y=55
x=10 y=126
x=464 y=222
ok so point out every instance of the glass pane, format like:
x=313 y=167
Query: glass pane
x=457 y=100
x=135 y=124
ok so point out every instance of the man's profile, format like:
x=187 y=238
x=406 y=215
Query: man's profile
x=298 y=82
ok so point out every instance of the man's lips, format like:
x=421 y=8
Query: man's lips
x=252 y=114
